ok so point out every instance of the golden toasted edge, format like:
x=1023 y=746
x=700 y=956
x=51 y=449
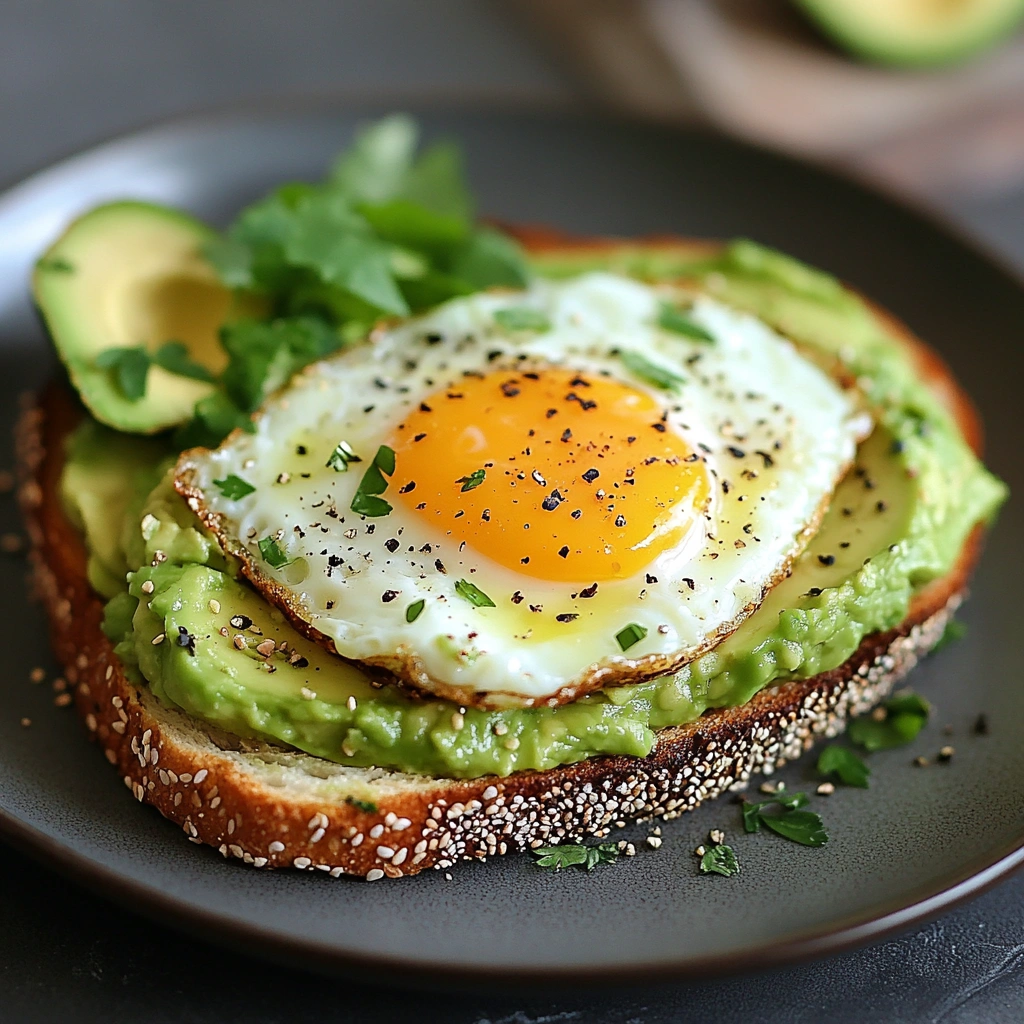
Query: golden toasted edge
x=425 y=822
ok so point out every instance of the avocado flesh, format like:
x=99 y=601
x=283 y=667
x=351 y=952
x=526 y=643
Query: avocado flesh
x=125 y=275
x=904 y=512
x=915 y=33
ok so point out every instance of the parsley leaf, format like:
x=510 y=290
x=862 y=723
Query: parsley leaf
x=630 y=635
x=340 y=458
x=475 y=479
x=234 y=487
x=522 y=318
x=365 y=501
x=272 y=553
x=671 y=318
x=473 y=594
x=129 y=367
x=412 y=613
x=215 y=417
x=905 y=715
x=843 y=762
x=173 y=357
x=568 y=855
x=650 y=372
x=955 y=630
x=803 y=827
x=490 y=258
x=374 y=166
x=720 y=860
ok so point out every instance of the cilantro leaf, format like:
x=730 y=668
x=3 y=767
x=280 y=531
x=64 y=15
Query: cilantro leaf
x=475 y=479
x=905 y=716
x=365 y=501
x=720 y=860
x=671 y=318
x=412 y=613
x=232 y=259
x=522 y=318
x=751 y=816
x=129 y=368
x=955 y=630
x=630 y=636
x=804 y=827
x=374 y=167
x=490 y=258
x=214 y=418
x=341 y=457
x=436 y=182
x=473 y=594
x=234 y=487
x=173 y=357
x=844 y=763
x=650 y=372
x=272 y=553
x=567 y=855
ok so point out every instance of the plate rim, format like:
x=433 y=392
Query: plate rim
x=915 y=906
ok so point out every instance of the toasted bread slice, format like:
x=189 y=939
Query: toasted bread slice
x=276 y=807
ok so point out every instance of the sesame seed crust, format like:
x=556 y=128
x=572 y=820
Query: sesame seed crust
x=268 y=806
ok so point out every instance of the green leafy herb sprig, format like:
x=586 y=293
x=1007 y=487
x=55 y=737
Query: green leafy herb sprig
x=130 y=366
x=845 y=765
x=567 y=855
x=787 y=819
x=896 y=723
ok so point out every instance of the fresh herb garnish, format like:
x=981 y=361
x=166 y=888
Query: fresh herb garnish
x=272 y=553
x=955 y=630
x=522 y=318
x=340 y=458
x=473 y=594
x=173 y=357
x=568 y=855
x=364 y=805
x=57 y=264
x=365 y=501
x=844 y=763
x=650 y=372
x=899 y=721
x=475 y=479
x=234 y=487
x=412 y=613
x=671 y=318
x=630 y=635
x=720 y=860
x=804 y=827
x=129 y=367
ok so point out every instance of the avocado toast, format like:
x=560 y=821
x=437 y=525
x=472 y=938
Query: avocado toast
x=391 y=810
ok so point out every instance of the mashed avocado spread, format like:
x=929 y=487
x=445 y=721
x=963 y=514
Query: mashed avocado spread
x=897 y=521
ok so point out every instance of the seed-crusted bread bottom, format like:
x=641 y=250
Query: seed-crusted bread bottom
x=274 y=807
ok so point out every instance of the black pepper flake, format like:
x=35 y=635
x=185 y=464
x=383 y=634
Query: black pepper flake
x=517 y=598
x=536 y=607
x=187 y=640
x=525 y=561
x=981 y=725
x=591 y=475
x=814 y=592
x=240 y=621
x=579 y=382
x=551 y=502
x=563 y=551
x=433 y=338
x=651 y=579
x=301 y=449
x=566 y=434
x=333 y=561
x=493 y=354
x=419 y=437
x=689 y=583
x=537 y=478
x=576 y=513
x=410 y=486
x=736 y=453
x=567 y=617
x=589 y=591
x=425 y=408
x=768 y=460
x=550 y=413
x=880 y=506
x=391 y=545
x=300 y=661
x=425 y=550
x=439 y=566
x=847 y=512
x=620 y=521
x=509 y=389
x=827 y=559
x=659 y=427
x=369 y=408
x=388 y=596
x=896 y=448
x=532 y=376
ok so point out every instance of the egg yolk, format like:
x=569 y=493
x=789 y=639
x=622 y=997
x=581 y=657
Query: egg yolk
x=555 y=474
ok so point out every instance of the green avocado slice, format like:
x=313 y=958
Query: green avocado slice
x=122 y=282
x=914 y=33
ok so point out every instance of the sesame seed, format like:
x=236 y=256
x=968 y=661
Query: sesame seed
x=921 y=762
x=825 y=789
x=307 y=694
x=699 y=852
x=158 y=639
x=458 y=721
x=385 y=852
x=374 y=874
x=302 y=862
x=147 y=587
x=512 y=743
x=214 y=606
x=276 y=847
x=654 y=842
x=200 y=775
x=717 y=836
x=946 y=753
x=351 y=703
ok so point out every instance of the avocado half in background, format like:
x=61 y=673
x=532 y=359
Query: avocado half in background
x=914 y=33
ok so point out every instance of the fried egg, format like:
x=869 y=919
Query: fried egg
x=520 y=497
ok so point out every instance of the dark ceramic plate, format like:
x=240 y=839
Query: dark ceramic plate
x=914 y=843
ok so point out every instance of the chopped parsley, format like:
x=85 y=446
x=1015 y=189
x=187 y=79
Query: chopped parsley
x=720 y=860
x=129 y=368
x=272 y=553
x=340 y=458
x=568 y=855
x=899 y=721
x=364 y=805
x=671 y=318
x=789 y=821
x=522 y=318
x=650 y=372
x=173 y=357
x=365 y=501
x=234 y=487
x=473 y=594
x=412 y=613
x=475 y=479
x=845 y=764
x=630 y=635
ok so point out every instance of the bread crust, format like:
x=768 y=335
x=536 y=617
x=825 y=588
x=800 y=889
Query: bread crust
x=226 y=794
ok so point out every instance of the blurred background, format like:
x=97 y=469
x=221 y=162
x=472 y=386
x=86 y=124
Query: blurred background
x=924 y=96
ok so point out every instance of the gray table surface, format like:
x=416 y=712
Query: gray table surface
x=72 y=73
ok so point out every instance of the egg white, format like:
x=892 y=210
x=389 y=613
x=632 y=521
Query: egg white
x=776 y=431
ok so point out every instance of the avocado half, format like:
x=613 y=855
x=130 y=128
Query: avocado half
x=130 y=275
x=914 y=33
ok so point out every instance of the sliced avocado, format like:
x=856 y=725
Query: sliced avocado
x=914 y=33
x=125 y=279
